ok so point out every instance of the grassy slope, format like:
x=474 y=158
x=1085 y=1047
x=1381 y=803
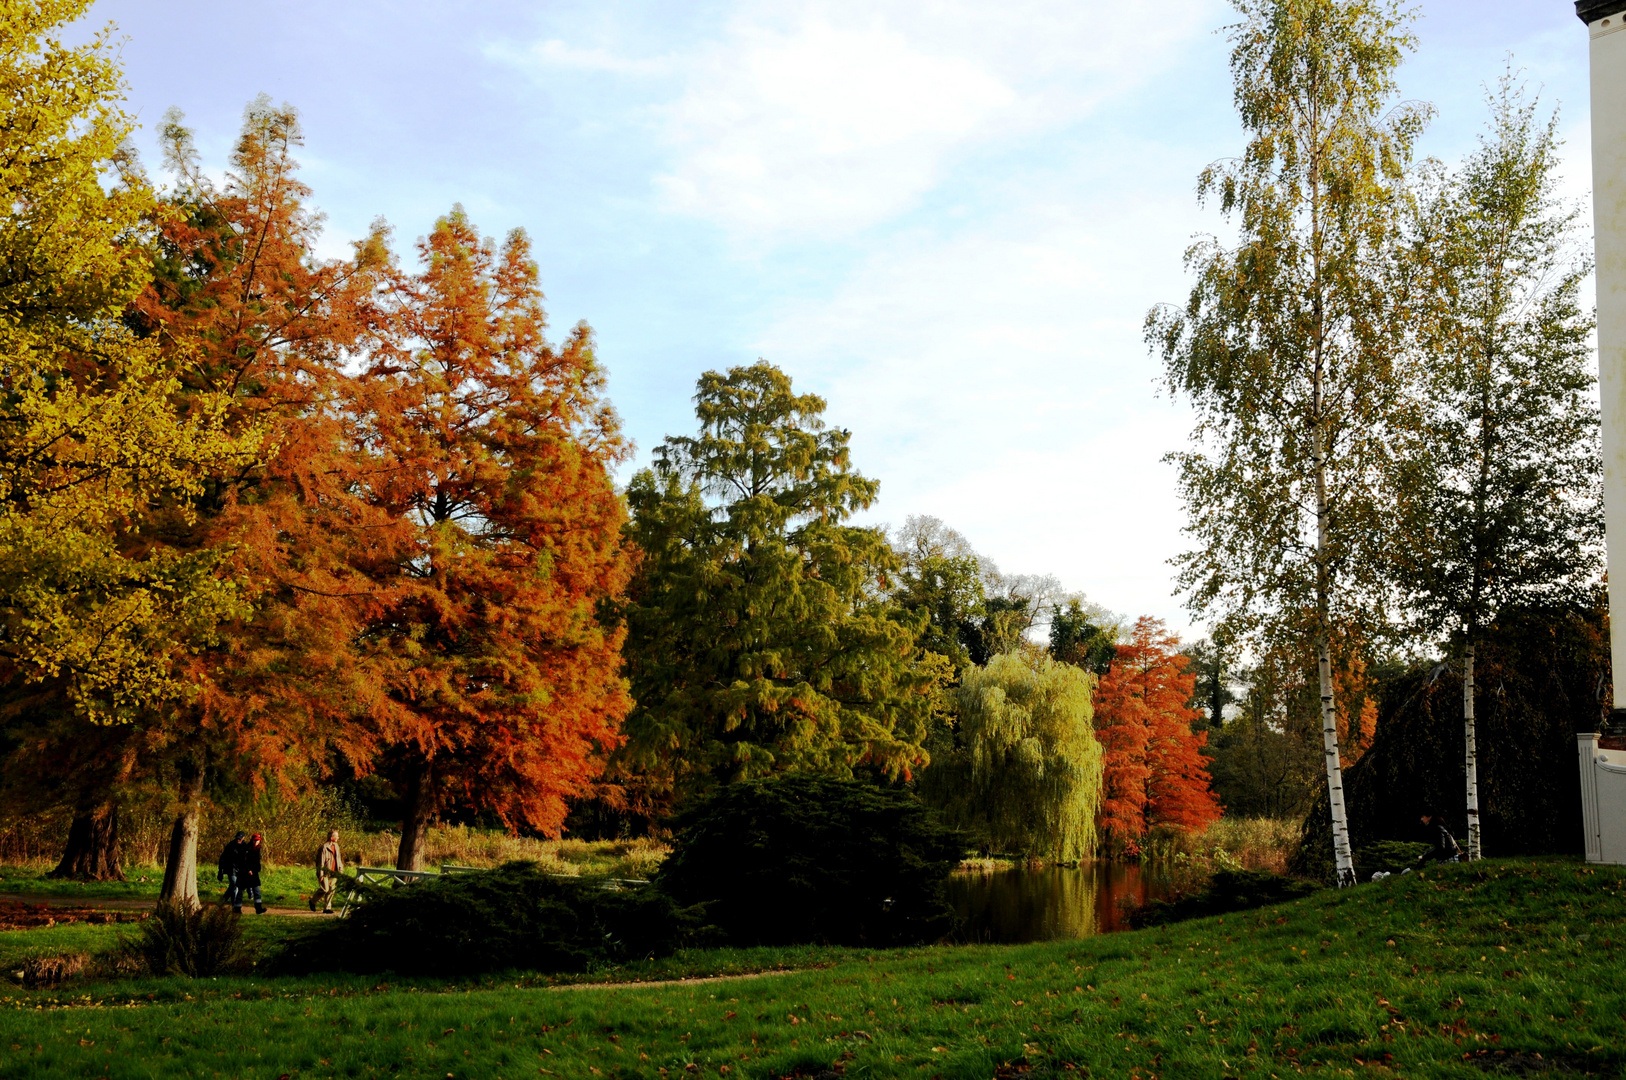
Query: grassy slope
x=1407 y=977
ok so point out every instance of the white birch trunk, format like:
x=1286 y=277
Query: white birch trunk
x=1472 y=763
x=1343 y=858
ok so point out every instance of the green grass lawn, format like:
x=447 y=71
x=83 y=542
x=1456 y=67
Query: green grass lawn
x=1429 y=976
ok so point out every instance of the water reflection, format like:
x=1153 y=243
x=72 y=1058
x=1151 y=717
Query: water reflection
x=1016 y=905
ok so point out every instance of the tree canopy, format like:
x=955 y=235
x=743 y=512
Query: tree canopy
x=760 y=639
x=1026 y=777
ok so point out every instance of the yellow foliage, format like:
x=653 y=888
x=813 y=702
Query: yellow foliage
x=93 y=426
x=1031 y=779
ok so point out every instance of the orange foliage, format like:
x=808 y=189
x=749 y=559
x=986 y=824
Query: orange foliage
x=1155 y=772
x=494 y=448
x=241 y=302
x=1357 y=712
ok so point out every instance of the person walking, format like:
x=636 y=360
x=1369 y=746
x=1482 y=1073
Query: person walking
x=329 y=865
x=248 y=874
x=226 y=869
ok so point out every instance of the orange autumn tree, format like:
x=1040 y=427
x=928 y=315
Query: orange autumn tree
x=1123 y=727
x=240 y=298
x=494 y=448
x=1155 y=771
x=246 y=317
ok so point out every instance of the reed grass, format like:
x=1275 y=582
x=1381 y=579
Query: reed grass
x=1239 y=843
x=463 y=846
x=294 y=829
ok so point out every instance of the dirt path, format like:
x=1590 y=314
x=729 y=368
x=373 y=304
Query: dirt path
x=132 y=904
x=674 y=982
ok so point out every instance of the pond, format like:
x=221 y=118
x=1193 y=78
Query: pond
x=1052 y=903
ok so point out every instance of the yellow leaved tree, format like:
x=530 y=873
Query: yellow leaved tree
x=93 y=430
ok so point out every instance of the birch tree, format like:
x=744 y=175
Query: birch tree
x=1497 y=489
x=1285 y=348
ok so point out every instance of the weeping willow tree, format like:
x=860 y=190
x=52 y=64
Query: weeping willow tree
x=1025 y=775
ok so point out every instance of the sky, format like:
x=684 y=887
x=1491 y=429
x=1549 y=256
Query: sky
x=948 y=218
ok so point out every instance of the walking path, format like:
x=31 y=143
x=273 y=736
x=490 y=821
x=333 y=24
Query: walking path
x=131 y=904
x=649 y=983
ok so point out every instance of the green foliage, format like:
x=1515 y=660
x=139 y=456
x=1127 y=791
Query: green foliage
x=1210 y=662
x=1227 y=890
x=89 y=438
x=1286 y=347
x=811 y=859
x=194 y=942
x=513 y=917
x=1498 y=483
x=759 y=641
x=1083 y=638
x=941 y=578
x=1266 y=761
x=1026 y=775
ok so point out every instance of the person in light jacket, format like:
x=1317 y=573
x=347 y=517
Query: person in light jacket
x=329 y=865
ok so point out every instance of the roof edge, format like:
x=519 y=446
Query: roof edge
x=1590 y=11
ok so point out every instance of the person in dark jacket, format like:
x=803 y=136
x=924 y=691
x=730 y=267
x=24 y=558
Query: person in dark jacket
x=248 y=874
x=226 y=869
x=1444 y=848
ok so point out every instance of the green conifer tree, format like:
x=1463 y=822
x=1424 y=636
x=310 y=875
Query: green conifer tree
x=760 y=639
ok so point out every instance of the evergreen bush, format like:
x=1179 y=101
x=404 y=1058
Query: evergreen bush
x=197 y=943
x=516 y=917
x=809 y=859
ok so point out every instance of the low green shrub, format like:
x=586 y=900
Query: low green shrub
x=43 y=972
x=813 y=860
x=514 y=917
x=1228 y=890
x=176 y=940
x=1390 y=856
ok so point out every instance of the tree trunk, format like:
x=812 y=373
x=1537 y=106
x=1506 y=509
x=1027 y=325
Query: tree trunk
x=92 y=851
x=181 y=868
x=1473 y=754
x=1343 y=859
x=415 y=824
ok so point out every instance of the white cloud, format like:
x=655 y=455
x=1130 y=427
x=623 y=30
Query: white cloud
x=998 y=380
x=822 y=127
x=554 y=53
x=818 y=118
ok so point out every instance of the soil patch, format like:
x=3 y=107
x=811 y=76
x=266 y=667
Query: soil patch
x=21 y=915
